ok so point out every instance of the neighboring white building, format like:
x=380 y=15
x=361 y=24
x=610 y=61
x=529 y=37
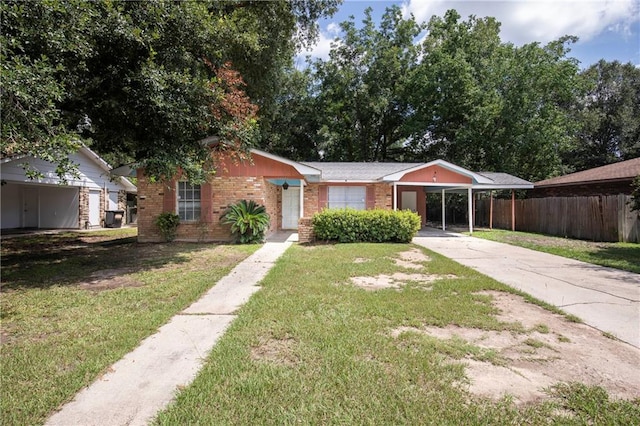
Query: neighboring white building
x=46 y=203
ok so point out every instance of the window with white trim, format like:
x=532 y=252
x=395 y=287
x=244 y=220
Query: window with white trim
x=188 y=201
x=354 y=197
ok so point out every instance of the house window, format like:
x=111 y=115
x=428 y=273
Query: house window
x=188 y=201
x=353 y=197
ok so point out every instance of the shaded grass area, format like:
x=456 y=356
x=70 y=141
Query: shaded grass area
x=74 y=303
x=312 y=348
x=624 y=256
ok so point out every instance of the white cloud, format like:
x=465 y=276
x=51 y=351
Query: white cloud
x=525 y=21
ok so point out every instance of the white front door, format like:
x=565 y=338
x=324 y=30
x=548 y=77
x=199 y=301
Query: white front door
x=409 y=201
x=94 y=208
x=30 y=208
x=290 y=207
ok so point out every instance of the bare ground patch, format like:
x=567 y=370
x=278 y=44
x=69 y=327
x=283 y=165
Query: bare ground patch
x=551 y=350
x=411 y=259
x=397 y=280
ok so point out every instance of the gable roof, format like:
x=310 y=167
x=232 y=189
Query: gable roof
x=393 y=172
x=441 y=163
x=623 y=170
x=94 y=158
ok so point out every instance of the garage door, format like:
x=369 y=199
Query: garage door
x=59 y=207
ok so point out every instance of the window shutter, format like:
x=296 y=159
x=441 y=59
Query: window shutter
x=322 y=198
x=206 y=214
x=371 y=197
x=169 y=198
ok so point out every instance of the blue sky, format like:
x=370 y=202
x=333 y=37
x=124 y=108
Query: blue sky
x=607 y=29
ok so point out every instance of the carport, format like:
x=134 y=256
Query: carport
x=442 y=177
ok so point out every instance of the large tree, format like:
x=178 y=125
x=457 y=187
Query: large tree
x=489 y=105
x=609 y=125
x=143 y=80
x=362 y=88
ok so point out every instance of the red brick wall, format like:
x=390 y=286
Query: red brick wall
x=311 y=199
x=273 y=205
x=305 y=230
x=384 y=196
x=225 y=191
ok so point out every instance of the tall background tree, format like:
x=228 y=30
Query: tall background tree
x=609 y=124
x=362 y=88
x=451 y=89
x=141 y=80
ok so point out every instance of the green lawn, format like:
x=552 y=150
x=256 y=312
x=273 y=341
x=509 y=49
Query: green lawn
x=625 y=256
x=74 y=303
x=312 y=348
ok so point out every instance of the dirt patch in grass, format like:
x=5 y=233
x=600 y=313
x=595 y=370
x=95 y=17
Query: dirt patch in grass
x=412 y=259
x=108 y=279
x=397 y=280
x=549 y=350
x=276 y=351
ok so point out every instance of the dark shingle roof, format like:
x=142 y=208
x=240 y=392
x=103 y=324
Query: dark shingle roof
x=358 y=171
x=617 y=171
x=504 y=178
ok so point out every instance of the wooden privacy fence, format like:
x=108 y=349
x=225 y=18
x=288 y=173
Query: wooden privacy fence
x=596 y=218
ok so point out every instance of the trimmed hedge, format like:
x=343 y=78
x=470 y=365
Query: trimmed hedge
x=378 y=226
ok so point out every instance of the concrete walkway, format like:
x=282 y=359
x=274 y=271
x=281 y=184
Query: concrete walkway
x=142 y=383
x=605 y=298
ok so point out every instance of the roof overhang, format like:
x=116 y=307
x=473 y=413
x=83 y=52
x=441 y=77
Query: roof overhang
x=311 y=174
x=588 y=182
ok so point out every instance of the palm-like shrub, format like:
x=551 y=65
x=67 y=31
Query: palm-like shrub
x=249 y=221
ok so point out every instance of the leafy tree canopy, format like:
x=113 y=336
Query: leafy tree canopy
x=608 y=115
x=450 y=89
x=144 y=81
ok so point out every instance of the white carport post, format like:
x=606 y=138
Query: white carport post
x=395 y=196
x=470 y=197
x=443 y=212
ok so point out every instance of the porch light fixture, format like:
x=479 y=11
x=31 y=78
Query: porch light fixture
x=285 y=185
x=435 y=176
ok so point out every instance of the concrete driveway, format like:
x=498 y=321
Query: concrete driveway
x=605 y=298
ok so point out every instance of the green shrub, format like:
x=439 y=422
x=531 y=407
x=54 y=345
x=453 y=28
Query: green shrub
x=349 y=225
x=249 y=221
x=168 y=224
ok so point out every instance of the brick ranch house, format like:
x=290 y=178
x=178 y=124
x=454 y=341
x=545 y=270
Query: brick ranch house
x=293 y=192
